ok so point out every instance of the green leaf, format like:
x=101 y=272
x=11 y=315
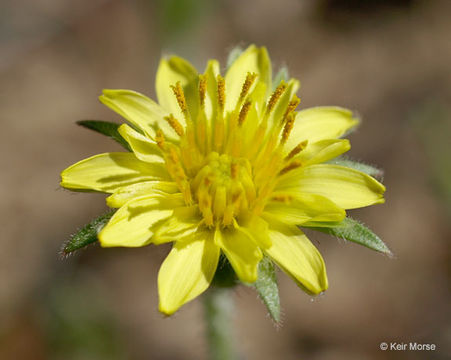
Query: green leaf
x=352 y=230
x=106 y=128
x=88 y=234
x=266 y=286
x=282 y=75
x=233 y=55
x=367 y=169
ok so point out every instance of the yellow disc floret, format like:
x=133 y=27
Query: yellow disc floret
x=223 y=164
x=222 y=188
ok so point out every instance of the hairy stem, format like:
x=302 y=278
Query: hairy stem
x=218 y=314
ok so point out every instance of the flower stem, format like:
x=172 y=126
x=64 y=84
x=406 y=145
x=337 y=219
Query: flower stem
x=218 y=314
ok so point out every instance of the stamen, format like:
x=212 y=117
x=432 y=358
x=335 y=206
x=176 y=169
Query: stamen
x=297 y=149
x=275 y=96
x=188 y=157
x=257 y=140
x=236 y=196
x=180 y=96
x=205 y=202
x=159 y=138
x=228 y=215
x=221 y=92
x=293 y=165
x=202 y=89
x=201 y=126
x=173 y=156
x=293 y=104
x=243 y=113
x=204 y=197
x=219 y=135
x=250 y=78
x=248 y=186
x=201 y=135
x=266 y=167
x=190 y=135
x=220 y=202
x=200 y=176
x=232 y=137
x=282 y=198
x=186 y=192
x=177 y=172
x=287 y=128
x=265 y=153
x=234 y=170
x=173 y=122
x=264 y=192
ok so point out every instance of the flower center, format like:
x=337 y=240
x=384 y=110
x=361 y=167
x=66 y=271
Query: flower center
x=228 y=162
x=223 y=188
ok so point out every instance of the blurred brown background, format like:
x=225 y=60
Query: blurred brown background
x=390 y=60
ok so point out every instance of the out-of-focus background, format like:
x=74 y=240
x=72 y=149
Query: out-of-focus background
x=389 y=60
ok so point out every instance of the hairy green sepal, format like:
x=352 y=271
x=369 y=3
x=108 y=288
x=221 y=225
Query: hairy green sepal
x=87 y=234
x=351 y=230
x=267 y=289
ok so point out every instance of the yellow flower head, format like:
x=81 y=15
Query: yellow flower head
x=224 y=165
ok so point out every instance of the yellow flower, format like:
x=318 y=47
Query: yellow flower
x=224 y=165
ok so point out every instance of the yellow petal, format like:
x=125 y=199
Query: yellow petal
x=133 y=224
x=253 y=60
x=187 y=271
x=125 y=194
x=256 y=228
x=319 y=123
x=171 y=71
x=241 y=251
x=144 y=148
x=303 y=208
x=140 y=111
x=323 y=150
x=181 y=225
x=295 y=254
x=110 y=171
x=348 y=188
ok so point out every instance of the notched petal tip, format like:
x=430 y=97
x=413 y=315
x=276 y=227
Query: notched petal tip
x=323 y=285
x=67 y=181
